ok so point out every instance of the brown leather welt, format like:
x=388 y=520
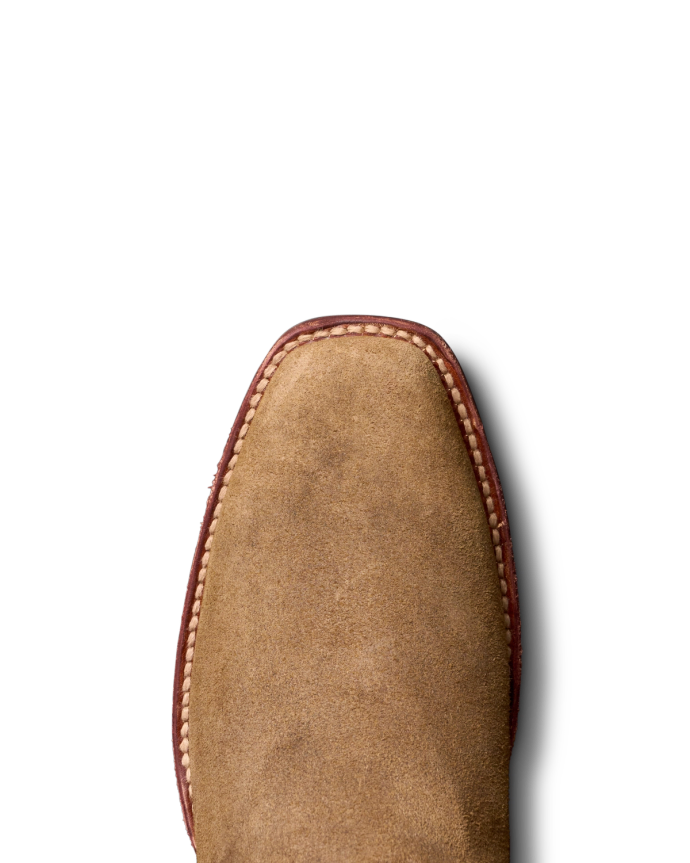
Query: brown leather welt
x=474 y=438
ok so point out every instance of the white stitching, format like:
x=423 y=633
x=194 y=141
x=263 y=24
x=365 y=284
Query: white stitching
x=464 y=424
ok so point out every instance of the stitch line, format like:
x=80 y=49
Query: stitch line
x=466 y=428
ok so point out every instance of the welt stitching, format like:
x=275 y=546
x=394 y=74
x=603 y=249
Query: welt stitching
x=465 y=423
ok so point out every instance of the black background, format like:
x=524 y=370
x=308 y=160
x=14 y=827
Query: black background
x=520 y=372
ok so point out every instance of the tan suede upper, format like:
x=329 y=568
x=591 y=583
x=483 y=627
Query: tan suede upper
x=349 y=697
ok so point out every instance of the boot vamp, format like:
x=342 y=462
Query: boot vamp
x=350 y=688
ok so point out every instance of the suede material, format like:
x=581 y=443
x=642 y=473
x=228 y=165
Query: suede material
x=350 y=688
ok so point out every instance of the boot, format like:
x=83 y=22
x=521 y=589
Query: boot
x=349 y=660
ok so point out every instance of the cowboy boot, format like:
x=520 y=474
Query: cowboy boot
x=349 y=662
